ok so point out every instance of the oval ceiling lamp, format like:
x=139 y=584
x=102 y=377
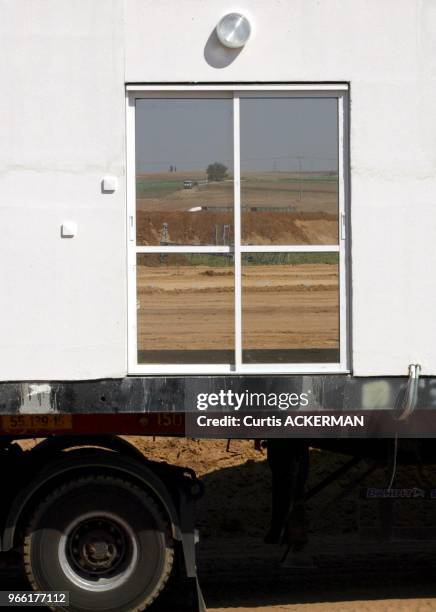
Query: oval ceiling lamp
x=233 y=30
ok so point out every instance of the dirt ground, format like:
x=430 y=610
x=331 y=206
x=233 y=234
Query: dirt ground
x=342 y=569
x=191 y=307
x=376 y=605
x=215 y=227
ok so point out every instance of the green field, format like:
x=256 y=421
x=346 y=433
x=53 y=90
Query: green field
x=226 y=259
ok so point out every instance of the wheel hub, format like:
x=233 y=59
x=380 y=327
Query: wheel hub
x=100 y=552
x=97 y=546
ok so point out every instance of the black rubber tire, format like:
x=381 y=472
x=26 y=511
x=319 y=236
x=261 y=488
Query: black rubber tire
x=96 y=494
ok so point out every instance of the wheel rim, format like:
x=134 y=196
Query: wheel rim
x=98 y=551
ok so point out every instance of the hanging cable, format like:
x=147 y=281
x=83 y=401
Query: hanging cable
x=394 y=463
x=408 y=406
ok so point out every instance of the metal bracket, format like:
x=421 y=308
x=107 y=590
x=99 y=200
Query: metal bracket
x=188 y=533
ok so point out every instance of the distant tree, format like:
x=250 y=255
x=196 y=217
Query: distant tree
x=216 y=172
x=171 y=168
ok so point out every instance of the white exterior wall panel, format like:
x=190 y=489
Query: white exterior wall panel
x=63 y=68
x=63 y=301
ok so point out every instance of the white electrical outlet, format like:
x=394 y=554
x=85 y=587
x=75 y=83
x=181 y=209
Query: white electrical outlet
x=68 y=229
x=109 y=184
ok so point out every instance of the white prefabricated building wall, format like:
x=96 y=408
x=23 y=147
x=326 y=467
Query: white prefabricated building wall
x=63 y=69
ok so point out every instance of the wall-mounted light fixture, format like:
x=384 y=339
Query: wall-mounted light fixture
x=233 y=30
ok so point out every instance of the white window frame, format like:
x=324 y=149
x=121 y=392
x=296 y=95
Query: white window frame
x=236 y=92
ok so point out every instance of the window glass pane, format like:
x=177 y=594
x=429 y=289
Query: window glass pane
x=290 y=308
x=185 y=308
x=289 y=171
x=184 y=171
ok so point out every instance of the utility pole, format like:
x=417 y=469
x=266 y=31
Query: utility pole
x=300 y=169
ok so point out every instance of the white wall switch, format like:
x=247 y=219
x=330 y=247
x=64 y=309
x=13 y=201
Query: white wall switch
x=68 y=229
x=109 y=184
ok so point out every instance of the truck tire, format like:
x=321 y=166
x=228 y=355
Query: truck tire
x=104 y=540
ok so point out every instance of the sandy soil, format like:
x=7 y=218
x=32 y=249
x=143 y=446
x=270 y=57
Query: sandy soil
x=290 y=306
x=206 y=227
x=191 y=307
x=376 y=605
